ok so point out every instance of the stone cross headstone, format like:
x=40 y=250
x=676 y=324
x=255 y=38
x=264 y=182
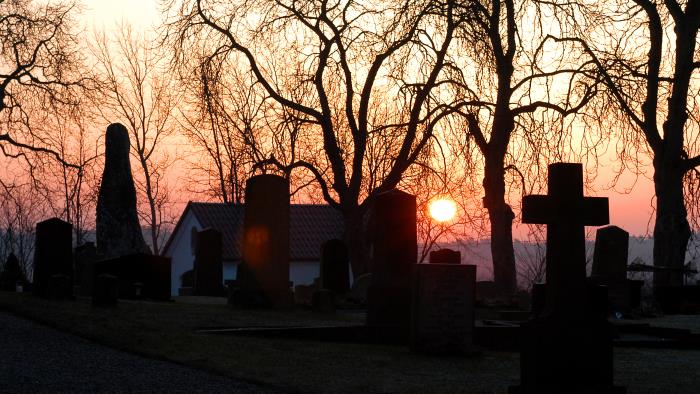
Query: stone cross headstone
x=53 y=255
x=265 y=265
x=565 y=211
x=335 y=263
x=568 y=347
x=208 y=265
x=118 y=232
x=443 y=309
x=445 y=256
x=394 y=256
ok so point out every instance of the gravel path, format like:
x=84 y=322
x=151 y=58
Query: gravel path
x=38 y=359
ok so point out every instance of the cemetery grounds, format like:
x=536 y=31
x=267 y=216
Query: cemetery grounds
x=167 y=331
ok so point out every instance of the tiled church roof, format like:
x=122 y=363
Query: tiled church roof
x=310 y=226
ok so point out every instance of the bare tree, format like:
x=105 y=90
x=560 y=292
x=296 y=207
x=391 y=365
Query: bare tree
x=648 y=55
x=514 y=110
x=345 y=56
x=21 y=207
x=138 y=91
x=39 y=65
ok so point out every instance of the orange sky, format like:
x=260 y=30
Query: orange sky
x=631 y=211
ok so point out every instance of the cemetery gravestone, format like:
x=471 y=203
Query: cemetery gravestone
x=445 y=256
x=186 y=284
x=118 y=231
x=53 y=255
x=106 y=291
x=12 y=275
x=394 y=256
x=60 y=287
x=139 y=275
x=335 y=272
x=263 y=275
x=208 y=265
x=610 y=268
x=568 y=348
x=610 y=254
x=443 y=309
x=85 y=258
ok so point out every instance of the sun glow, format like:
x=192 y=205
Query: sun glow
x=442 y=209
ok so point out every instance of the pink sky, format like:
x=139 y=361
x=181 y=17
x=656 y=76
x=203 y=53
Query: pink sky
x=632 y=211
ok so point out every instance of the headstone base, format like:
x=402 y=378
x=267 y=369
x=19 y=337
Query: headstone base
x=323 y=301
x=105 y=291
x=60 y=287
x=560 y=356
x=442 y=318
x=678 y=299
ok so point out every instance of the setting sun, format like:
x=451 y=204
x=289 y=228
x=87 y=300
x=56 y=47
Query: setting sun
x=442 y=210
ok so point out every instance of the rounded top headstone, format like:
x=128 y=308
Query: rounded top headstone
x=117 y=142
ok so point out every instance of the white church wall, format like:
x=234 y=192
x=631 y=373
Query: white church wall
x=180 y=251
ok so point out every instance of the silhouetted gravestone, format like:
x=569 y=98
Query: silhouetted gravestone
x=394 y=256
x=53 y=254
x=323 y=301
x=610 y=268
x=106 y=291
x=445 y=256
x=208 y=265
x=139 y=275
x=60 y=287
x=186 y=283
x=335 y=272
x=263 y=276
x=85 y=258
x=539 y=294
x=12 y=275
x=442 y=319
x=118 y=231
x=610 y=254
x=568 y=348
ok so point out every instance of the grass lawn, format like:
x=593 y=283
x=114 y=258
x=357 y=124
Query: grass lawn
x=166 y=331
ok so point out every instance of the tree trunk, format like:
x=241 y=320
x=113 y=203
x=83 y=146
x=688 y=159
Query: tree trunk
x=671 y=228
x=356 y=239
x=501 y=217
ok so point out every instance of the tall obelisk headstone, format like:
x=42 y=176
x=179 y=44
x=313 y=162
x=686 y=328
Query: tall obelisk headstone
x=265 y=267
x=118 y=230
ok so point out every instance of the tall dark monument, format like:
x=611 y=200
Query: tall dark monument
x=264 y=273
x=394 y=256
x=568 y=347
x=117 y=227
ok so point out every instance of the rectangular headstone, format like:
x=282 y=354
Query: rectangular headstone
x=394 y=256
x=85 y=258
x=443 y=309
x=445 y=256
x=335 y=266
x=53 y=254
x=106 y=291
x=150 y=273
x=610 y=255
x=265 y=265
x=208 y=265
